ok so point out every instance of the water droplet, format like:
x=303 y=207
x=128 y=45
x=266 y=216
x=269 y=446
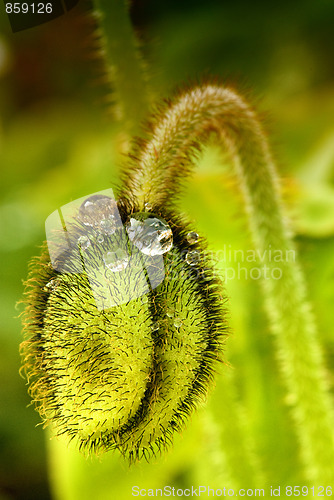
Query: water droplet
x=148 y=206
x=144 y=299
x=84 y=242
x=177 y=322
x=151 y=234
x=99 y=211
x=51 y=285
x=193 y=257
x=155 y=326
x=108 y=226
x=116 y=261
x=192 y=237
x=100 y=238
x=170 y=313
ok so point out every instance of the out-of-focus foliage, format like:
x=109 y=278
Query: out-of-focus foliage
x=57 y=145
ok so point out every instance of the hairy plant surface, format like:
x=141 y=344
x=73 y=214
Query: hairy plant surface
x=127 y=376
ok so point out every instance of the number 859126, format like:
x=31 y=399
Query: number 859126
x=25 y=8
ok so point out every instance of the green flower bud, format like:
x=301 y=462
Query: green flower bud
x=121 y=343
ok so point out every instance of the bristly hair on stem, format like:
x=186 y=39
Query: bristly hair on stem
x=159 y=167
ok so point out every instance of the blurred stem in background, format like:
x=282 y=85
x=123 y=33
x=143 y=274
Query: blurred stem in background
x=162 y=166
x=297 y=346
x=124 y=65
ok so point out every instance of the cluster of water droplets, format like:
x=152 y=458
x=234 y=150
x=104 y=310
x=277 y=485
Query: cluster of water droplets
x=146 y=231
x=192 y=256
x=149 y=233
x=175 y=320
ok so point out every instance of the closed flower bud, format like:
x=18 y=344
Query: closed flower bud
x=123 y=328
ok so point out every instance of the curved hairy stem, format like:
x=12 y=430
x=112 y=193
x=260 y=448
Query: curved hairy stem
x=156 y=176
x=124 y=64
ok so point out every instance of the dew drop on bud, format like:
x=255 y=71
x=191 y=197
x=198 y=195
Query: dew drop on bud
x=99 y=211
x=116 y=261
x=108 y=226
x=100 y=238
x=148 y=206
x=192 y=237
x=84 y=242
x=177 y=322
x=193 y=257
x=50 y=286
x=150 y=234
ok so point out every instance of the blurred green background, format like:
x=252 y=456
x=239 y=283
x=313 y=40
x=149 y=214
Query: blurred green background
x=58 y=143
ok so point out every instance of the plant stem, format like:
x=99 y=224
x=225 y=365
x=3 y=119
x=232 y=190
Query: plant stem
x=124 y=64
x=233 y=442
x=162 y=165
